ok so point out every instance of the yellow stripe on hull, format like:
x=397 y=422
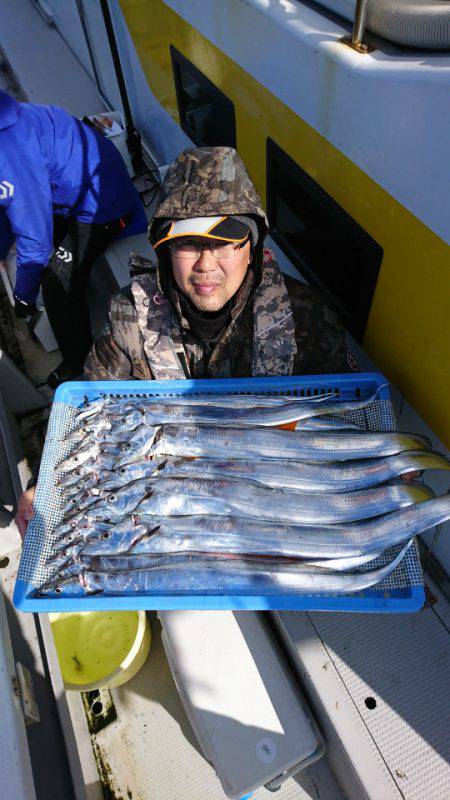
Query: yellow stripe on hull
x=408 y=332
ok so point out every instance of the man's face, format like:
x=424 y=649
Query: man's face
x=208 y=280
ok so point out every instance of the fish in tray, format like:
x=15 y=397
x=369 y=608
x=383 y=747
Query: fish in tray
x=88 y=479
x=123 y=536
x=109 y=406
x=197 y=534
x=109 y=506
x=152 y=502
x=106 y=429
x=191 y=574
x=192 y=441
x=144 y=534
x=93 y=441
x=330 y=542
x=184 y=497
x=252 y=414
x=336 y=476
x=104 y=454
x=132 y=561
x=236 y=411
x=248 y=417
x=174 y=497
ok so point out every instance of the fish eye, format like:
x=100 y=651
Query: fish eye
x=128 y=445
x=105 y=535
x=58 y=589
x=122 y=470
x=112 y=498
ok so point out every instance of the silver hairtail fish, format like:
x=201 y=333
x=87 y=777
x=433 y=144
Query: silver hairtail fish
x=339 y=476
x=196 y=534
x=192 y=441
x=174 y=497
x=203 y=575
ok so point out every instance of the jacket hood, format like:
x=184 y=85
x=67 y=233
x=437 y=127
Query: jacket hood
x=9 y=110
x=207 y=182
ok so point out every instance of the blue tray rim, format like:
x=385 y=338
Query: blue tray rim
x=399 y=601
x=95 y=389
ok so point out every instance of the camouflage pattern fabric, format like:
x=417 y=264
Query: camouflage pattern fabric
x=161 y=335
x=208 y=182
x=246 y=348
x=274 y=345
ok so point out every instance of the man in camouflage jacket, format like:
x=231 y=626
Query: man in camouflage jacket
x=270 y=325
x=274 y=326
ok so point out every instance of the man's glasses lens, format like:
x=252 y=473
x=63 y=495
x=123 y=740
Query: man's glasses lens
x=193 y=250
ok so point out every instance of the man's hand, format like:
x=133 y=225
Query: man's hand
x=25 y=510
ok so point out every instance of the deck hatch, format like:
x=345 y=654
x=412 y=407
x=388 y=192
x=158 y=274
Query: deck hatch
x=328 y=247
x=206 y=113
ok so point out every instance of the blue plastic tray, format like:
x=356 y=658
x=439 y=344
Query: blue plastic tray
x=401 y=591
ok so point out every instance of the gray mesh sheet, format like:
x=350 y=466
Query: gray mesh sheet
x=48 y=502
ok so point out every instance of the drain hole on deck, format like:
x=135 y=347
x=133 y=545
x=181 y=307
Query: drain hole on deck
x=371 y=703
x=4 y=562
x=97 y=707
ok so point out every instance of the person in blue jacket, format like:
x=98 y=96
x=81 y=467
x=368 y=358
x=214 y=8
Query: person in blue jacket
x=65 y=193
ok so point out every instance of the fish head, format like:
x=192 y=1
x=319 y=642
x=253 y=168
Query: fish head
x=79 y=458
x=76 y=436
x=67 y=587
x=71 y=478
x=138 y=446
x=72 y=502
x=114 y=481
x=66 y=528
x=128 y=422
x=65 y=545
x=119 y=503
x=90 y=408
x=79 y=534
x=56 y=579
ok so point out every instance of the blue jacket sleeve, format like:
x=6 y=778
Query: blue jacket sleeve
x=30 y=215
x=6 y=235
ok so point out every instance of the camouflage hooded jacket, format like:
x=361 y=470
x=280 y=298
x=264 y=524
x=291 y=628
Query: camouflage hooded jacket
x=279 y=327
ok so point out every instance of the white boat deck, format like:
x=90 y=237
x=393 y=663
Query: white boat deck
x=379 y=686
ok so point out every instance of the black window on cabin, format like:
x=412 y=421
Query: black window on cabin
x=206 y=113
x=326 y=245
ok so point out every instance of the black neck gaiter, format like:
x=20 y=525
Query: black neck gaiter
x=206 y=326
